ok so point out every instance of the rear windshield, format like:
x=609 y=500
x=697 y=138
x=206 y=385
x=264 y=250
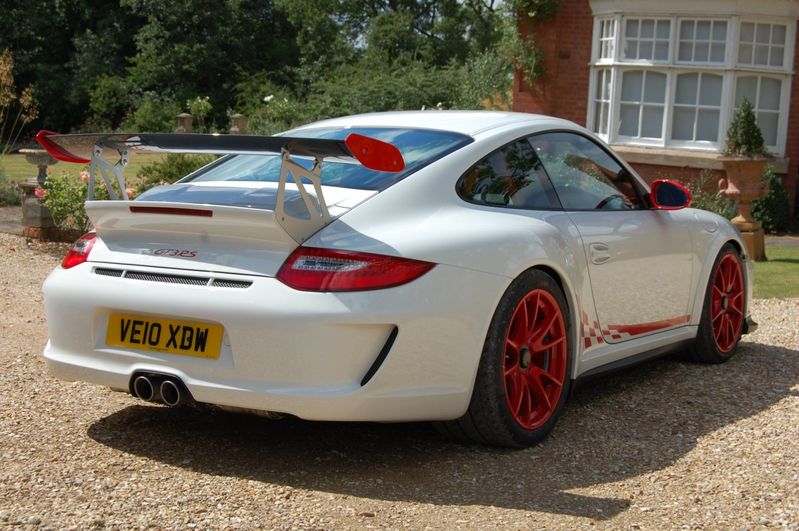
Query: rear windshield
x=418 y=147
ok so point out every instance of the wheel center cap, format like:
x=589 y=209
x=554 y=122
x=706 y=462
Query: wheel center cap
x=725 y=302
x=526 y=358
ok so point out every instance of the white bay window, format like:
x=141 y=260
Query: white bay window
x=674 y=81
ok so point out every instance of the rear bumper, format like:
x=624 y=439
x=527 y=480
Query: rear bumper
x=305 y=354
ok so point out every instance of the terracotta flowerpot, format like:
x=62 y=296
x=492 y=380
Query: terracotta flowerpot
x=743 y=184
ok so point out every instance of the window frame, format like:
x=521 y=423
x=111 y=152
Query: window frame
x=730 y=70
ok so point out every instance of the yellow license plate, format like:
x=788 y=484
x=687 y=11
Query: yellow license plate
x=200 y=340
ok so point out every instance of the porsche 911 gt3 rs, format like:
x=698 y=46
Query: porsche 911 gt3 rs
x=459 y=267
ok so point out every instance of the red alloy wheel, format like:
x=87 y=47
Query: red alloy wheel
x=727 y=303
x=534 y=368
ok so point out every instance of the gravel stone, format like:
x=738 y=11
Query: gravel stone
x=664 y=445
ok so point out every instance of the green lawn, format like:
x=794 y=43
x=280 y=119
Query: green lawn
x=16 y=168
x=779 y=276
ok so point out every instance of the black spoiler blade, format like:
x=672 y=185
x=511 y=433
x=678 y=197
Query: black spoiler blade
x=370 y=152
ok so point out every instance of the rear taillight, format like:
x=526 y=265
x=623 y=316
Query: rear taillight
x=312 y=269
x=79 y=252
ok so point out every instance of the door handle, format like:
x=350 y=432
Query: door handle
x=600 y=253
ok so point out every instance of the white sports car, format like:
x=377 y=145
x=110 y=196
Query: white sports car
x=460 y=267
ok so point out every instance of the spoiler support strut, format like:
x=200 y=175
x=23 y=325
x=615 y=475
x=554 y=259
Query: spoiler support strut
x=106 y=170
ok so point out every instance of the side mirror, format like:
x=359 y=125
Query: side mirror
x=668 y=195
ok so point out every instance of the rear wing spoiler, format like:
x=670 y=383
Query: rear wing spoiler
x=97 y=149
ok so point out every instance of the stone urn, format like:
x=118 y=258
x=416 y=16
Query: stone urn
x=743 y=184
x=37 y=222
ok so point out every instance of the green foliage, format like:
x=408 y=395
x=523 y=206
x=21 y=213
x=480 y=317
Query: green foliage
x=109 y=100
x=705 y=196
x=199 y=108
x=17 y=108
x=744 y=137
x=133 y=67
x=173 y=167
x=522 y=53
x=155 y=114
x=10 y=192
x=773 y=211
x=65 y=196
x=536 y=8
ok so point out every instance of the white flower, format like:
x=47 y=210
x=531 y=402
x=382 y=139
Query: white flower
x=269 y=98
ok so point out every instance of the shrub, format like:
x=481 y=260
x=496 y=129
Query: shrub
x=155 y=114
x=705 y=199
x=64 y=195
x=173 y=167
x=10 y=193
x=744 y=137
x=773 y=211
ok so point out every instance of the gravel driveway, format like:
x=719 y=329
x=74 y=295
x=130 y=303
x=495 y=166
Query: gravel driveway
x=663 y=445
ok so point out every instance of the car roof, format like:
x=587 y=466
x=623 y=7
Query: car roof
x=465 y=122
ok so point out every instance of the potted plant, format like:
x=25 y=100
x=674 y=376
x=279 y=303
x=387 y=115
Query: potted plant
x=745 y=159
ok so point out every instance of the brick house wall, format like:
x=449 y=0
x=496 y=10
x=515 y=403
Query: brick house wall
x=565 y=41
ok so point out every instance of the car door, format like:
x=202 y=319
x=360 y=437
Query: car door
x=639 y=259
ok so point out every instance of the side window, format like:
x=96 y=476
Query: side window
x=584 y=175
x=510 y=176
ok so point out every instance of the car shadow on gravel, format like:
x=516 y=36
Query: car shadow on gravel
x=615 y=427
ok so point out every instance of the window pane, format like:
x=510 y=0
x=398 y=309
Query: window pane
x=663 y=29
x=682 y=127
x=707 y=125
x=768 y=124
x=631 y=86
x=710 y=91
x=687 y=30
x=511 y=176
x=777 y=54
x=628 y=116
x=748 y=32
x=717 y=53
x=584 y=175
x=686 y=52
x=601 y=118
x=652 y=122
x=631 y=49
x=763 y=33
x=778 y=35
x=701 y=52
x=770 y=90
x=661 y=51
x=645 y=50
x=761 y=55
x=746 y=87
x=655 y=87
x=745 y=54
x=631 y=29
x=719 y=30
x=647 y=29
x=686 y=89
x=703 y=30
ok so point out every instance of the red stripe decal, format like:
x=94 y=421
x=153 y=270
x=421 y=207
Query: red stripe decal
x=643 y=328
x=172 y=211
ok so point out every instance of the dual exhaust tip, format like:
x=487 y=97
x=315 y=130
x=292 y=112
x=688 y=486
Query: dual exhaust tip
x=165 y=389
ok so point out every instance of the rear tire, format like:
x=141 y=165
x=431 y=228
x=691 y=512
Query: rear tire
x=723 y=310
x=524 y=374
